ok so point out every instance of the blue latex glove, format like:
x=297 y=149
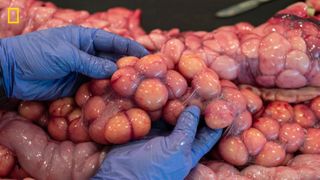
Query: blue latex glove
x=163 y=157
x=51 y=63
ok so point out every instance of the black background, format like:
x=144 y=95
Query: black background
x=184 y=14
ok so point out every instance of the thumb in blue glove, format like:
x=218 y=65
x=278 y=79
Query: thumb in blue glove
x=51 y=63
x=163 y=157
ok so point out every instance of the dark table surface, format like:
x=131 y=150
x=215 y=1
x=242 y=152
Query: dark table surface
x=184 y=14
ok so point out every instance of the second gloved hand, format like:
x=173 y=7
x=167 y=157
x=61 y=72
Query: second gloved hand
x=50 y=63
x=163 y=157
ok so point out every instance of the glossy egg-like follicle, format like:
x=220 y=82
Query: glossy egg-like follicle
x=151 y=66
x=218 y=114
x=61 y=107
x=7 y=161
x=140 y=122
x=233 y=150
x=31 y=110
x=206 y=84
x=254 y=140
x=151 y=94
x=118 y=129
x=57 y=128
x=127 y=61
x=272 y=154
x=83 y=94
x=93 y=108
x=190 y=65
x=125 y=81
x=311 y=143
x=176 y=84
x=268 y=126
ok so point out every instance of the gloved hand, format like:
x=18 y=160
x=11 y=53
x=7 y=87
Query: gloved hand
x=163 y=157
x=50 y=63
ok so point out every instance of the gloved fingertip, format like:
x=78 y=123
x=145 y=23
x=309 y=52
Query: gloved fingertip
x=109 y=68
x=112 y=43
x=95 y=67
x=210 y=135
x=207 y=137
x=103 y=69
x=111 y=57
x=216 y=133
x=144 y=52
x=186 y=127
x=194 y=110
x=138 y=50
x=203 y=142
x=189 y=118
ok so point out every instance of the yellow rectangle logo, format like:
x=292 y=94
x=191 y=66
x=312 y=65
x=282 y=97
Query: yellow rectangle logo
x=17 y=19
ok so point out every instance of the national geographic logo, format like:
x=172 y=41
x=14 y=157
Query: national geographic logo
x=13 y=15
